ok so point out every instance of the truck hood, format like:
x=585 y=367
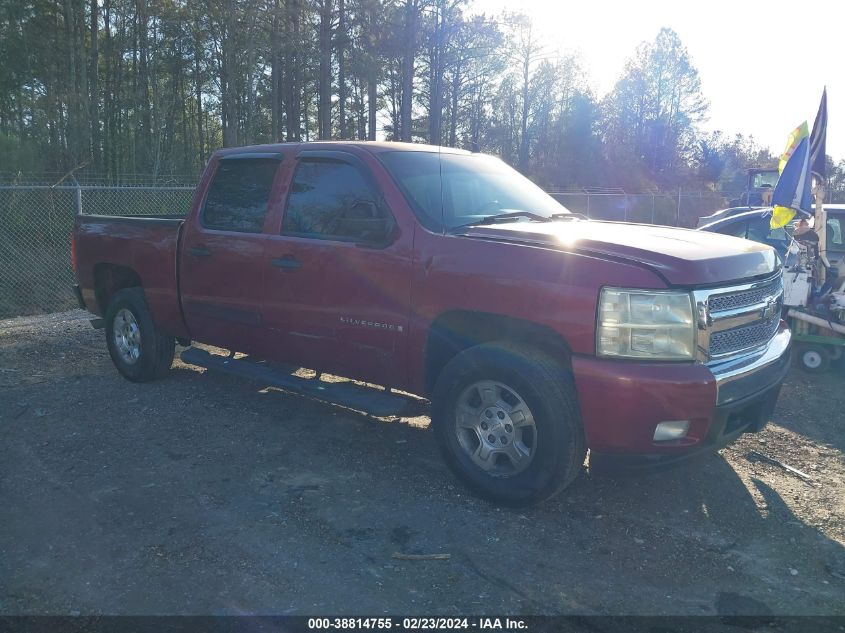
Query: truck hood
x=681 y=256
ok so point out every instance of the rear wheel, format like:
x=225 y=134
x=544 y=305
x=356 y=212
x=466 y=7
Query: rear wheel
x=506 y=420
x=139 y=350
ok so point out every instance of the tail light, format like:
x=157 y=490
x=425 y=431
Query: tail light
x=73 y=252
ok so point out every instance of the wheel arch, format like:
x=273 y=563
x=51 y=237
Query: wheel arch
x=457 y=330
x=109 y=278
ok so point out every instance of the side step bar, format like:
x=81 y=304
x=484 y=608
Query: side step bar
x=347 y=394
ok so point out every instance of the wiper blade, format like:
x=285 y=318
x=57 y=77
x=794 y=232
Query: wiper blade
x=503 y=217
x=492 y=219
x=572 y=215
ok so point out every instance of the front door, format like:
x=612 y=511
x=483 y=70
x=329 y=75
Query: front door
x=337 y=277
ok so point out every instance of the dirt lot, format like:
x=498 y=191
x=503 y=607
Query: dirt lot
x=206 y=494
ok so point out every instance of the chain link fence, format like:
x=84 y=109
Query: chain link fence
x=672 y=209
x=681 y=208
x=36 y=222
x=35 y=228
x=648 y=208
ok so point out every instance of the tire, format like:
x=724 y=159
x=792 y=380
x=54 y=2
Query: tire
x=140 y=351
x=486 y=390
x=814 y=358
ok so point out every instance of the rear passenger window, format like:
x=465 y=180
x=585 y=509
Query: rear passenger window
x=332 y=200
x=239 y=194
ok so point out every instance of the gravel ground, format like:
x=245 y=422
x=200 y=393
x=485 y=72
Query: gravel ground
x=206 y=494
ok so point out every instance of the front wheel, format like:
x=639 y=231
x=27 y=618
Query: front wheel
x=507 y=422
x=140 y=351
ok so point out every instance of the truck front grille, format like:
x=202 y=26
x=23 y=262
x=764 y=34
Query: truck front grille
x=745 y=298
x=740 y=318
x=744 y=337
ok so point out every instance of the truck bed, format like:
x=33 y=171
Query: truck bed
x=109 y=248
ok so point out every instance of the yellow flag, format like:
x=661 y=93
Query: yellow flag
x=781 y=216
x=792 y=142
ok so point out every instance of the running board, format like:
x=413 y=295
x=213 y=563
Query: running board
x=347 y=394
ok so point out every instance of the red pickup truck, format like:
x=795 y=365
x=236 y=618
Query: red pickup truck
x=535 y=333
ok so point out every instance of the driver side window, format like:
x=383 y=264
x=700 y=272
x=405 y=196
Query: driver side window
x=332 y=200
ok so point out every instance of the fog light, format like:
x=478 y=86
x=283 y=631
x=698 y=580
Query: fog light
x=671 y=430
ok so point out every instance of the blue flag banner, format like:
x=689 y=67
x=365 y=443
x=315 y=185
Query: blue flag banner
x=818 y=160
x=792 y=191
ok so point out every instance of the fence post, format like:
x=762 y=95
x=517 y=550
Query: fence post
x=588 y=205
x=78 y=199
x=652 y=207
x=678 y=219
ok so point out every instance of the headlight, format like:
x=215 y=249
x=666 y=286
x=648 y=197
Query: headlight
x=652 y=324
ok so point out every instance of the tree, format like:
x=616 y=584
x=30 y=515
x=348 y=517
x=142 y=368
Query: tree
x=325 y=82
x=723 y=163
x=410 y=27
x=835 y=175
x=147 y=89
x=652 y=113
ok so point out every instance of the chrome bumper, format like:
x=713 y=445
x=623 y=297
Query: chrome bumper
x=743 y=376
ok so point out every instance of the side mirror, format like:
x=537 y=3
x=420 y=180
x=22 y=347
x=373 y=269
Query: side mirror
x=379 y=233
x=363 y=210
x=369 y=225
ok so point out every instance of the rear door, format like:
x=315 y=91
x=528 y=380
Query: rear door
x=337 y=276
x=222 y=256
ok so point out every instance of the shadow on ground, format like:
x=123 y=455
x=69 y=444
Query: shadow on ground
x=208 y=494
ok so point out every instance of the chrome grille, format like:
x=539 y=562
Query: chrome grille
x=745 y=337
x=739 y=318
x=732 y=301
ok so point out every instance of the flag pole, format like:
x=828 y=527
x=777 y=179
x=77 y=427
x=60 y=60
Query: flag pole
x=818 y=167
x=820 y=226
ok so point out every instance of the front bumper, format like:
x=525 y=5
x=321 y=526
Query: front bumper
x=622 y=402
x=742 y=377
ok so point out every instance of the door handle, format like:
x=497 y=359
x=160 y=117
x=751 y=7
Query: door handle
x=200 y=251
x=288 y=262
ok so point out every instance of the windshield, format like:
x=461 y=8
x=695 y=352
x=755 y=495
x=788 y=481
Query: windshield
x=765 y=179
x=447 y=191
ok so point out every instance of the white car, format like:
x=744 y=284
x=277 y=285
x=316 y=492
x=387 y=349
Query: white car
x=753 y=224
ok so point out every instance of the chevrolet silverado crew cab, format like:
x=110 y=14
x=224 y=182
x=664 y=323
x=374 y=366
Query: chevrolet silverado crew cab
x=535 y=333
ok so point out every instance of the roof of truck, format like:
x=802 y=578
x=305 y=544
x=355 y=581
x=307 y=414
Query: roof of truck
x=371 y=146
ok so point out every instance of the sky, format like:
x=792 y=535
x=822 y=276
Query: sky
x=760 y=77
